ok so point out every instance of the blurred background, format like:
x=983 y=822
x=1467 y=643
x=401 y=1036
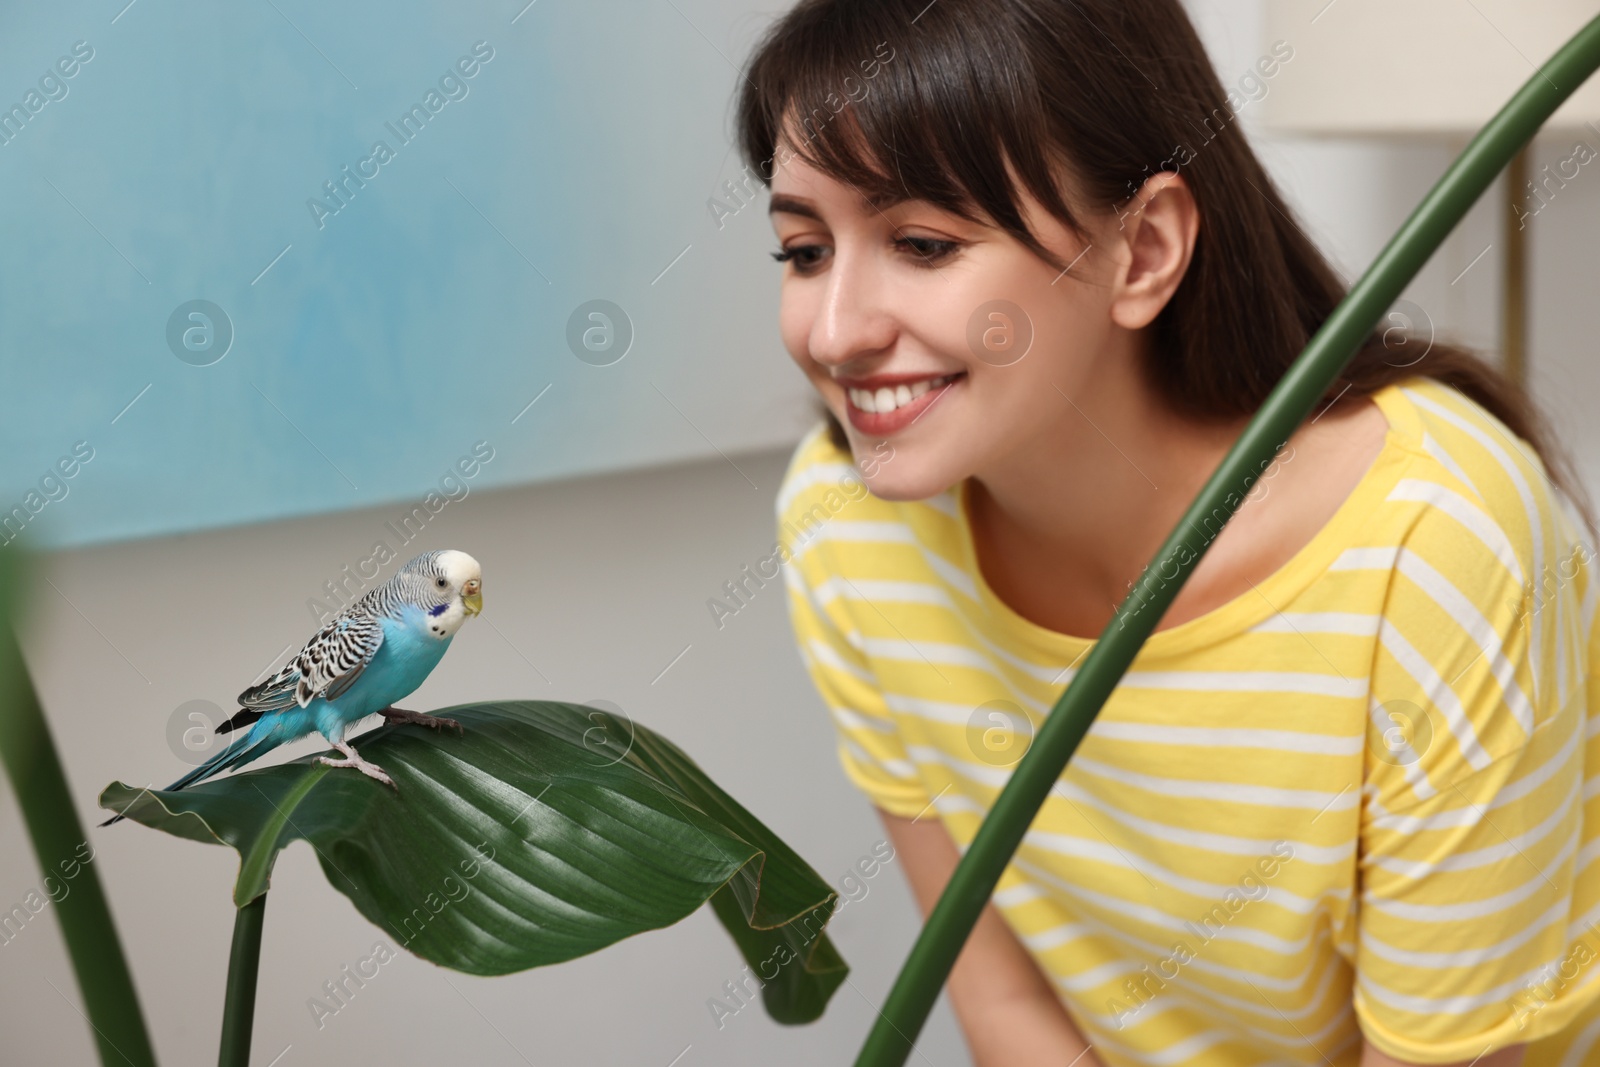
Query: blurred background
x=269 y=345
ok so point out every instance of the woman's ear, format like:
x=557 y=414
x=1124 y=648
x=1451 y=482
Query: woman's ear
x=1152 y=247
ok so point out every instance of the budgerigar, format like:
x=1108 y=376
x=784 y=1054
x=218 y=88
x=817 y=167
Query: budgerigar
x=373 y=653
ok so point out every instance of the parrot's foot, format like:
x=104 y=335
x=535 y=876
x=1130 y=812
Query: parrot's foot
x=398 y=715
x=352 y=759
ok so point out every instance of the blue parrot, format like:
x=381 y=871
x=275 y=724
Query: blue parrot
x=373 y=653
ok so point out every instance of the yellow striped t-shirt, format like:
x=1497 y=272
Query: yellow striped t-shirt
x=1354 y=801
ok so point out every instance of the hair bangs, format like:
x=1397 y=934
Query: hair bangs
x=923 y=115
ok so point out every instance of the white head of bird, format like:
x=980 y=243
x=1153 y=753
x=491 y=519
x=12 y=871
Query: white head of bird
x=450 y=583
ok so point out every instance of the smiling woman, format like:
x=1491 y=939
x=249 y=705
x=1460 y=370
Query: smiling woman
x=1351 y=673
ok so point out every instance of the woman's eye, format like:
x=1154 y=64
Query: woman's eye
x=923 y=252
x=927 y=249
x=800 y=254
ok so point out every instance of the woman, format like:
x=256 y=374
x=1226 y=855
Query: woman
x=1337 y=810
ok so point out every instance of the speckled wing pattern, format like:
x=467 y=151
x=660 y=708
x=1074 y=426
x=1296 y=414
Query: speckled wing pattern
x=327 y=666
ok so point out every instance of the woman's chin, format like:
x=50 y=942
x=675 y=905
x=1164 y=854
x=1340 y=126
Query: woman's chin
x=902 y=485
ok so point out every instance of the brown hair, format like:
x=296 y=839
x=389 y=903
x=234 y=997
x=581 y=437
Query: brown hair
x=1110 y=91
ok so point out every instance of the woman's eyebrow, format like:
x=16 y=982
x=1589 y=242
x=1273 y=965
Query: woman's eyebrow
x=793 y=205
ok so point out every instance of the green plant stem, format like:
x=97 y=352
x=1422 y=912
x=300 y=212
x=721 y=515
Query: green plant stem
x=239 y=1009
x=64 y=854
x=1307 y=380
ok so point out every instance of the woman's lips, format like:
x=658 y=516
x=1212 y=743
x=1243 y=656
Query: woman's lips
x=883 y=423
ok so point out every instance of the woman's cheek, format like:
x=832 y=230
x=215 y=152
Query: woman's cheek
x=794 y=329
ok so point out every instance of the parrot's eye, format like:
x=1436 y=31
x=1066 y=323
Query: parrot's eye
x=443 y=583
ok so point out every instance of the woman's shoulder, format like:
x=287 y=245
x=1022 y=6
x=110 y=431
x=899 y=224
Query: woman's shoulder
x=1474 y=480
x=1491 y=564
x=1488 y=600
x=816 y=461
x=823 y=498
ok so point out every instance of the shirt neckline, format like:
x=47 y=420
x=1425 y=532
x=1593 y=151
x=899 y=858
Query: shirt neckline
x=1249 y=608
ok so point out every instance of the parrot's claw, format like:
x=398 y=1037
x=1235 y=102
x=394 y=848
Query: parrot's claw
x=399 y=715
x=352 y=759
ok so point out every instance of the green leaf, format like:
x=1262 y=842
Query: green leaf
x=33 y=767
x=544 y=832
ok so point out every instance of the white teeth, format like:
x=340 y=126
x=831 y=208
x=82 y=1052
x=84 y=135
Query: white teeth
x=887 y=399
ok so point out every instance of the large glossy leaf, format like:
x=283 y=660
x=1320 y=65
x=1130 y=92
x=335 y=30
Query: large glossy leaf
x=545 y=831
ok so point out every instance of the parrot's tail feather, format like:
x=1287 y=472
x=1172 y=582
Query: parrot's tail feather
x=240 y=751
x=245 y=717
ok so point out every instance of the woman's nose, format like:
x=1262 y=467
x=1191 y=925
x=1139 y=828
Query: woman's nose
x=853 y=318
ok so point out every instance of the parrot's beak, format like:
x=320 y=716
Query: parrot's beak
x=472 y=597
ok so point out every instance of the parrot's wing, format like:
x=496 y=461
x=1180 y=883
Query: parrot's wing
x=327 y=666
x=274 y=694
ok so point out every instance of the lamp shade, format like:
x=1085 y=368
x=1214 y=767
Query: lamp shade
x=1445 y=67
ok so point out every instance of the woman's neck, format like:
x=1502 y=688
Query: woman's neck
x=1068 y=521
